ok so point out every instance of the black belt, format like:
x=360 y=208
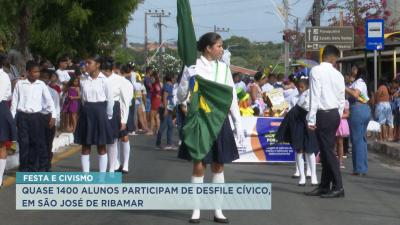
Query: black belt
x=328 y=110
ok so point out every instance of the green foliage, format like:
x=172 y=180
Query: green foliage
x=252 y=55
x=81 y=27
x=124 y=55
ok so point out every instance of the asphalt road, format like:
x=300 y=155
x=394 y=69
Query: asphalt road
x=373 y=199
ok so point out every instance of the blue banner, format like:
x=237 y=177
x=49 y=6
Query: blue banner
x=260 y=144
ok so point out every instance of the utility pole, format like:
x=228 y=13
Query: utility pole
x=286 y=16
x=155 y=13
x=220 y=29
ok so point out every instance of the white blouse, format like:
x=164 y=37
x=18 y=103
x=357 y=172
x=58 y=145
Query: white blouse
x=214 y=71
x=121 y=92
x=5 y=86
x=97 y=90
x=32 y=98
x=304 y=100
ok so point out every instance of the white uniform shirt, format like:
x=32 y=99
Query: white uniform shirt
x=215 y=71
x=32 y=98
x=360 y=85
x=304 y=100
x=121 y=92
x=97 y=90
x=56 y=100
x=5 y=86
x=327 y=90
x=63 y=76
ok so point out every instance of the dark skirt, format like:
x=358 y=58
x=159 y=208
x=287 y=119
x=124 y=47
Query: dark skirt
x=8 y=130
x=93 y=127
x=115 y=121
x=294 y=130
x=130 y=124
x=223 y=150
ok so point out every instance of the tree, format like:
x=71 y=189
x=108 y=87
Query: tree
x=51 y=27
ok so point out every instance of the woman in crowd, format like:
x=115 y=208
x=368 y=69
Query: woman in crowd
x=360 y=115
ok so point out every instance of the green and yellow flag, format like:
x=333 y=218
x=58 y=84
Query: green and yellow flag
x=209 y=101
x=209 y=106
x=187 y=44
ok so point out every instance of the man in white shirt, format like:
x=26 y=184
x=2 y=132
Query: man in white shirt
x=327 y=99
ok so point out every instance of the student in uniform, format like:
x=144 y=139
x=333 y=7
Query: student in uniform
x=31 y=97
x=224 y=149
x=124 y=143
x=50 y=132
x=294 y=130
x=8 y=130
x=122 y=95
x=93 y=127
x=327 y=101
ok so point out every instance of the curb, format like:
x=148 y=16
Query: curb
x=392 y=150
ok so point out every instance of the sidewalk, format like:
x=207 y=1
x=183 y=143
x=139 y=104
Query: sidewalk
x=390 y=149
x=61 y=143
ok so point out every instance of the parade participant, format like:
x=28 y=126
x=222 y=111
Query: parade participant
x=124 y=143
x=326 y=107
x=8 y=130
x=121 y=91
x=30 y=98
x=224 y=148
x=360 y=115
x=244 y=103
x=294 y=130
x=93 y=126
x=50 y=132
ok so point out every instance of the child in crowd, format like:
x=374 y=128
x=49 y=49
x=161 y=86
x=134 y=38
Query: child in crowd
x=342 y=132
x=71 y=103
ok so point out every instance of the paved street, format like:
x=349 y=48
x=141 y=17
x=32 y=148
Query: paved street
x=373 y=199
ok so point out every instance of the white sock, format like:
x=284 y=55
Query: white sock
x=300 y=166
x=297 y=173
x=308 y=173
x=118 y=160
x=196 y=180
x=2 y=167
x=218 y=178
x=85 y=161
x=112 y=151
x=311 y=161
x=126 y=150
x=103 y=160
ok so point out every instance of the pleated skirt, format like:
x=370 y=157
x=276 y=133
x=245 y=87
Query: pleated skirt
x=93 y=127
x=294 y=130
x=130 y=124
x=8 y=130
x=223 y=150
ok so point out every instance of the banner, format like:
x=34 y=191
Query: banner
x=260 y=144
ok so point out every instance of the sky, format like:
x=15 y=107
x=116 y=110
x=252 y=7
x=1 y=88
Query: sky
x=253 y=19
